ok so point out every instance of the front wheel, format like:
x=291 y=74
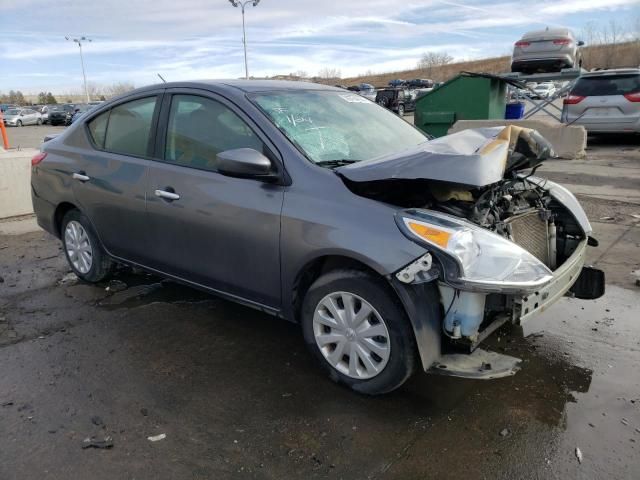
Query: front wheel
x=83 y=250
x=39 y=122
x=358 y=331
x=19 y=123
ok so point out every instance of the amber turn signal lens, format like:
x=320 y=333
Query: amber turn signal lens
x=434 y=235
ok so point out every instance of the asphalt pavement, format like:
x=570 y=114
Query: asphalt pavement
x=237 y=396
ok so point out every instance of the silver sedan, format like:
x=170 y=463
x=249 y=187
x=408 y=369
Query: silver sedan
x=17 y=117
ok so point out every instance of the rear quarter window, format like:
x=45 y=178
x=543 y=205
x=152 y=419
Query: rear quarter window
x=98 y=128
x=607 y=85
x=129 y=127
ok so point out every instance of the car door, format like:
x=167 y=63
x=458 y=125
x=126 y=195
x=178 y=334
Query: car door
x=110 y=174
x=205 y=227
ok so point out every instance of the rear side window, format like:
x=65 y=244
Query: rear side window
x=98 y=129
x=129 y=127
x=607 y=85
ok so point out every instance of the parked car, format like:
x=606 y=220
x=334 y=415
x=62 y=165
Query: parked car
x=17 y=117
x=367 y=90
x=312 y=204
x=397 y=100
x=543 y=90
x=397 y=83
x=605 y=101
x=44 y=111
x=7 y=106
x=420 y=83
x=61 y=114
x=548 y=50
x=80 y=109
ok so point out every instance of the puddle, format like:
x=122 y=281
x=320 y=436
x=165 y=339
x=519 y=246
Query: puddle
x=135 y=289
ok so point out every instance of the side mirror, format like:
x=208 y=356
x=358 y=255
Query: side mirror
x=243 y=162
x=580 y=43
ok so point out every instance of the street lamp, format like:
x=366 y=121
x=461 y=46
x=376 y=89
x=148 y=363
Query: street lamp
x=242 y=4
x=84 y=76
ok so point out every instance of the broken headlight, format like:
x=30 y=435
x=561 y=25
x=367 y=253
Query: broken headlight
x=483 y=259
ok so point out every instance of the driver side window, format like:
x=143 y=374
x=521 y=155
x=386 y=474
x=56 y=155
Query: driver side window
x=199 y=128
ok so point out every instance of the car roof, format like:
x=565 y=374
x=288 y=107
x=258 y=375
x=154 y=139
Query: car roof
x=556 y=31
x=612 y=71
x=248 y=86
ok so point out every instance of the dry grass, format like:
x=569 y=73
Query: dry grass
x=603 y=56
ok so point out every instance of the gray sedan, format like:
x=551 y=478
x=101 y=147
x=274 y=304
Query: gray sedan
x=392 y=251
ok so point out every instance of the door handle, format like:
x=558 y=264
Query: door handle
x=81 y=177
x=167 y=195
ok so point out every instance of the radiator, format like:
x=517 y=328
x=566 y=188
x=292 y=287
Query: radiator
x=531 y=232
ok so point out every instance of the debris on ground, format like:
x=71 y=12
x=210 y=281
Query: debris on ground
x=97 y=421
x=624 y=421
x=579 y=454
x=68 y=278
x=116 y=286
x=90 y=442
x=144 y=412
x=1 y=279
x=157 y=438
x=607 y=218
x=504 y=432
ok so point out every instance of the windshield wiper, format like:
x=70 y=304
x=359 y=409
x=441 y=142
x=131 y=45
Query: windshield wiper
x=335 y=163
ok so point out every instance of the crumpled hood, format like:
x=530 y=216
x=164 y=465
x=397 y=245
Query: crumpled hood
x=474 y=157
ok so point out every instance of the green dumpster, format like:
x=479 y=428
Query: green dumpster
x=465 y=97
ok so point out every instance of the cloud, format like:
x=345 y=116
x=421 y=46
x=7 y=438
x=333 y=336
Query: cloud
x=133 y=40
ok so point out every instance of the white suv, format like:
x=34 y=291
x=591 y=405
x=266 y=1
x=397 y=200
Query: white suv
x=605 y=101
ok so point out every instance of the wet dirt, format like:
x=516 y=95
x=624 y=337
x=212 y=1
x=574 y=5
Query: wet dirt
x=238 y=396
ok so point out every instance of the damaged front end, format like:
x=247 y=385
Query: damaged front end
x=503 y=245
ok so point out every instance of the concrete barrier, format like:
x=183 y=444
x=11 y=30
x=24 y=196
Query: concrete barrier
x=569 y=141
x=15 y=182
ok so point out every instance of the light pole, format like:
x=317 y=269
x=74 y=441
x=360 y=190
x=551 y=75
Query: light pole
x=242 y=4
x=84 y=75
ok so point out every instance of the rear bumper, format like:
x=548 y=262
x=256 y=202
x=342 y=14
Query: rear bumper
x=607 y=127
x=45 y=213
x=534 y=63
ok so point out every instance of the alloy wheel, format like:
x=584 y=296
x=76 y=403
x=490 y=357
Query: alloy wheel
x=351 y=335
x=78 y=246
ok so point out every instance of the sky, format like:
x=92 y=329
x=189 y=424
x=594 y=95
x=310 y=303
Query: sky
x=134 y=40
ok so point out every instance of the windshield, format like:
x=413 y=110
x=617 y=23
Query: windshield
x=13 y=111
x=607 y=85
x=335 y=126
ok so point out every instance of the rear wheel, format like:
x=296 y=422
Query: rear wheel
x=19 y=123
x=358 y=331
x=401 y=110
x=39 y=122
x=83 y=250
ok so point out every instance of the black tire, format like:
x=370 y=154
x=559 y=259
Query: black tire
x=19 y=123
x=102 y=264
x=401 y=110
x=403 y=351
x=39 y=122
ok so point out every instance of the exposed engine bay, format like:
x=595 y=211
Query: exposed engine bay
x=478 y=176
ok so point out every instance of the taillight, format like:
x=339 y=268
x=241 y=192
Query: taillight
x=562 y=41
x=522 y=44
x=38 y=158
x=573 y=99
x=632 y=97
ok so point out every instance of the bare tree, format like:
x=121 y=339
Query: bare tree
x=94 y=90
x=329 y=73
x=430 y=60
x=118 y=88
